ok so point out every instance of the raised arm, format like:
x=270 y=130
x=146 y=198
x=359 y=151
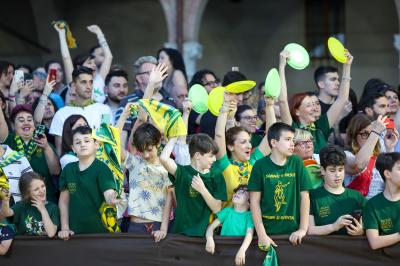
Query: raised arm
x=168 y=163
x=270 y=119
x=120 y=125
x=283 y=96
x=227 y=109
x=187 y=107
x=356 y=164
x=39 y=111
x=335 y=110
x=66 y=56
x=108 y=57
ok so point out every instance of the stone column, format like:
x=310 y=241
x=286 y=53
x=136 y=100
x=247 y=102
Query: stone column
x=192 y=16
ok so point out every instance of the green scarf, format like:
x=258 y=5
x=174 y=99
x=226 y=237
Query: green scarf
x=26 y=150
x=244 y=169
x=73 y=104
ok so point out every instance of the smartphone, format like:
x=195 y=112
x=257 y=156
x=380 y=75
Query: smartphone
x=390 y=123
x=356 y=215
x=28 y=76
x=18 y=76
x=52 y=74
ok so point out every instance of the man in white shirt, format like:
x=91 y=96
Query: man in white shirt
x=95 y=113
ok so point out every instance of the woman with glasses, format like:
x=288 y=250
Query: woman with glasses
x=364 y=147
x=304 y=148
x=303 y=112
x=247 y=118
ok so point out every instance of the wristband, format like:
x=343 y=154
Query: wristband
x=379 y=134
x=346 y=78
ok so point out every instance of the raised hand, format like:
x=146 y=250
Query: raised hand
x=95 y=29
x=283 y=58
x=26 y=89
x=49 y=87
x=349 y=58
x=158 y=74
x=187 y=105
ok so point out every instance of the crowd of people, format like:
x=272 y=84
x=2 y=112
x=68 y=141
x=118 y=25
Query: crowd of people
x=81 y=156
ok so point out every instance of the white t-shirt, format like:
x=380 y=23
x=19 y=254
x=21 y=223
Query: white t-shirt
x=98 y=89
x=66 y=159
x=14 y=171
x=93 y=113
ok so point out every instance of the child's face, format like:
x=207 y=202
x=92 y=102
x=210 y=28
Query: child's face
x=241 y=197
x=150 y=153
x=84 y=145
x=241 y=147
x=394 y=175
x=333 y=176
x=206 y=160
x=285 y=144
x=37 y=190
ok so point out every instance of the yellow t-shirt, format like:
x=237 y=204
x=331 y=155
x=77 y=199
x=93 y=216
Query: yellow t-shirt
x=236 y=173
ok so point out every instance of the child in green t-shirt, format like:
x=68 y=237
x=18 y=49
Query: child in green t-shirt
x=198 y=192
x=85 y=185
x=381 y=213
x=33 y=215
x=334 y=208
x=278 y=185
x=236 y=221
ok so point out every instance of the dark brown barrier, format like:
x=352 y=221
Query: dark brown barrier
x=130 y=249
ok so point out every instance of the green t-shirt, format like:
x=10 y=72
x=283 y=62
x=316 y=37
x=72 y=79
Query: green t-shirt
x=234 y=223
x=382 y=214
x=320 y=133
x=327 y=207
x=280 y=188
x=192 y=213
x=255 y=140
x=28 y=220
x=86 y=190
x=39 y=165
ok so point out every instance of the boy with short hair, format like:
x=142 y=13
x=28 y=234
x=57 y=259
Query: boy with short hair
x=278 y=185
x=381 y=213
x=198 y=192
x=236 y=221
x=334 y=208
x=84 y=186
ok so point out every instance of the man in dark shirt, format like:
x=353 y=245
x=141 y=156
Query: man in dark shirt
x=327 y=80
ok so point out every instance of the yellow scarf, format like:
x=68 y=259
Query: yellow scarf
x=61 y=24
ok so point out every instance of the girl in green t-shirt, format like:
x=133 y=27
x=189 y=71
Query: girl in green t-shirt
x=33 y=215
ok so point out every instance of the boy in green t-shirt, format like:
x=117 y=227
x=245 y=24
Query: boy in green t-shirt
x=382 y=212
x=333 y=208
x=236 y=221
x=278 y=185
x=198 y=192
x=84 y=185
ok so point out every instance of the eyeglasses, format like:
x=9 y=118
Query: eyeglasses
x=364 y=134
x=249 y=117
x=304 y=143
x=241 y=191
x=211 y=83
